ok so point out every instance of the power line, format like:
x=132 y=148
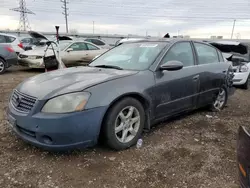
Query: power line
x=65 y=13
x=23 y=22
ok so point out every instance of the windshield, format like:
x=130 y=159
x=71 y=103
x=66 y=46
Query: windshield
x=62 y=45
x=133 y=56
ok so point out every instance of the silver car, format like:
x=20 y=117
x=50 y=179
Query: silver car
x=71 y=52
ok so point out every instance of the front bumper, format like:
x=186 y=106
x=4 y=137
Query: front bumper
x=58 y=131
x=240 y=78
x=31 y=63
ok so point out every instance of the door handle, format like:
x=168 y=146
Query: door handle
x=195 y=78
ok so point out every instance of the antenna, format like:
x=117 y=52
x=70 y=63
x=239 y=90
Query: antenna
x=23 y=22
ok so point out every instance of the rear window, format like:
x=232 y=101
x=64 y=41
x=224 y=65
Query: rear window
x=10 y=39
x=97 y=42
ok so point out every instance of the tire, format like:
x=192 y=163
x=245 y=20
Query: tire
x=245 y=85
x=116 y=125
x=223 y=100
x=2 y=66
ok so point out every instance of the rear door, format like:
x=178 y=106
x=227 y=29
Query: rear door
x=176 y=91
x=93 y=51
x=212 y=72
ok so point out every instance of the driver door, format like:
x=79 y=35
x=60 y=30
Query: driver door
x=177 y=91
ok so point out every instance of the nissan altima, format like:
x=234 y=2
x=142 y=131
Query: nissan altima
x=125 y=90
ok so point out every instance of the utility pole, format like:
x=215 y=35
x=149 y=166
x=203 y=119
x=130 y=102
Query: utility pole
x=65 y=13
x=23 y=21
x=93 y=27
x=233 y=29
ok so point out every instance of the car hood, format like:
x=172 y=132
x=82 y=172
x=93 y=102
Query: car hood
x=68 y=80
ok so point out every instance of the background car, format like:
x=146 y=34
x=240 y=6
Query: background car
x=239 y=55
x=13 y=41
x=98 y=42
x=72 y=53
x=8 y=57
x=123 y=91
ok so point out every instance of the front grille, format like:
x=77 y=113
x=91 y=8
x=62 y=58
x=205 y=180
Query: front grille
x=25 y=64
x=22 y=102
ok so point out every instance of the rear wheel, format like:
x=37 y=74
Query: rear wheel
x=220 y=100
x=124 y=124
x=2 y=66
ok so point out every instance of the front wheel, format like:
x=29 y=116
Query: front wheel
x=124 y=124
x=220 y=100
x=246 y=85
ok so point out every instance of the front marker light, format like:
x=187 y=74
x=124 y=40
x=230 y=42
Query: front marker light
x=67 y=103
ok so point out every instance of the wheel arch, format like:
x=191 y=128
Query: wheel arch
x=142 y=99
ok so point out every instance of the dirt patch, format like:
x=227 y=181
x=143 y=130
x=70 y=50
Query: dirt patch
x=194 y=150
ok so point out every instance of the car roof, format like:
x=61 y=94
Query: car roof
x=8 y=35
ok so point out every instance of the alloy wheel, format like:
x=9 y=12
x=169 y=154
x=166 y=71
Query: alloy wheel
x=220 y=100
x=127 y=124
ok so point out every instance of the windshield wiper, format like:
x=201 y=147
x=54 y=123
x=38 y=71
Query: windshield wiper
x=109 y=66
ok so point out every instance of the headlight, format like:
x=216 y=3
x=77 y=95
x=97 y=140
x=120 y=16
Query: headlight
x=243 y=68
x=72 y=102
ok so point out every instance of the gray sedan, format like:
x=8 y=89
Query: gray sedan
x=123 y=91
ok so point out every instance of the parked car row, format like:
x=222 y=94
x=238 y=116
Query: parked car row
x=72 y=53
x=123 y=91
x=30 y=50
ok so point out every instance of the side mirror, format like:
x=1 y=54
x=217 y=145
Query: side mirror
x=172 y=66
x=69 y=49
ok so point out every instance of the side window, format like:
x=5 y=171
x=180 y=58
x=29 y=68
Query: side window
x=97 y=42
x=2 y=39
x=91 y=47
x=220 y=56
x=182 y=52
x=79 y=46
x=206 y=54
x=10 y=39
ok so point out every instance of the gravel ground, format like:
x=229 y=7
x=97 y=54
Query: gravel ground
x=189 y=151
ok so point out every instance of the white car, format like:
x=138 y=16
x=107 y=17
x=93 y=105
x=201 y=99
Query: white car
x=71 y=52
x=238 y=54
x=13 y=41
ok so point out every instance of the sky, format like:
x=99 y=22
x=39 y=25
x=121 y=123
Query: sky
x=197 y=18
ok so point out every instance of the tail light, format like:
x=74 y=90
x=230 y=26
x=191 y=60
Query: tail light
x=9 y=49
x=20 y=45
